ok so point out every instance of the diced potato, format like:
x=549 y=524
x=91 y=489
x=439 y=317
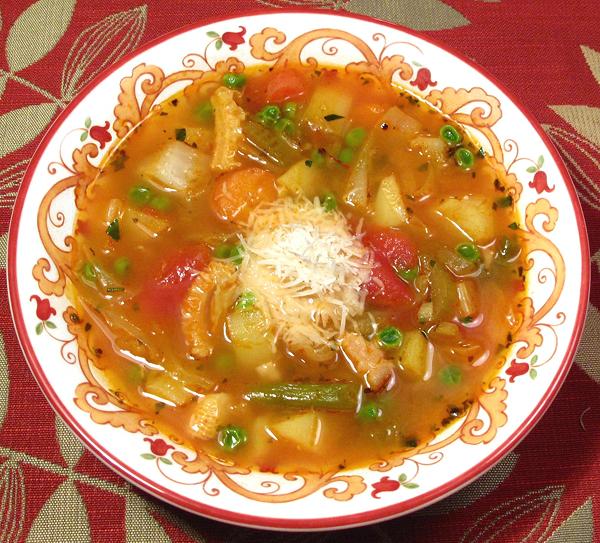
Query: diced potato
x=472 y=215
x=167 y=389
x=303 y=429
x=209 y=414
x=325 y=101
x=260 y=440
x=250 y=336
x=149 y=225
x=399 y=124
x=175 y=166
x=389 y=206
x=425 y=312
x=455 y=263
x=302 y=180
x=434 y=149
x=269 y=371
x=412 y=355
x=201 y=138
x=228 y=130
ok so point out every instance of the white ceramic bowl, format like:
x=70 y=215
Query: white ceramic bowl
x=553 y=306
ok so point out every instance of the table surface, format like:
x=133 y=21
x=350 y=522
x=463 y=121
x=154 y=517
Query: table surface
x=546 y=490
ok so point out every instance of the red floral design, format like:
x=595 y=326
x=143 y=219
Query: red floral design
x=159 y=447
x=516 y=369
x=233 y=39
x=101 y=134
x=385 y=484
x=423 y=79
x=540 y=182
x=44 y=310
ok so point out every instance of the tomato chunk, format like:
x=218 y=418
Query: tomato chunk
x=163 y=293
x=394 y=246
x=385 y=289
x=285 y=85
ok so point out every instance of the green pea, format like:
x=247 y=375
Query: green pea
x=329 y=202
x=346 y=155
x=122 y=265
x=464 y=158
x=222 y=251
x=369 y=412
x=409 y=274
x=468 y=251
x=140 y=195
x=269 y=115
x=450 y=375
x=290 y=109
x=285 y=126
x=246 y=299
x=450 y=135
x=204 y=112
x=234 y=81
x=113 y=230
x=88 y=271
x=355 y=137
x=231 y=437
x=390 y=337
x=160 y=202
x=224 y=362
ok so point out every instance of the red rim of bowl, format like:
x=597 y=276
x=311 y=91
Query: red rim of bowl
x=342 y=521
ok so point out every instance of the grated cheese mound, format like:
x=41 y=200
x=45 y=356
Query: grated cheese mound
x=306 y=269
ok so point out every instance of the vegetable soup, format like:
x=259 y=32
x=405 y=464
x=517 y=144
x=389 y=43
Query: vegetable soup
x=295 y=260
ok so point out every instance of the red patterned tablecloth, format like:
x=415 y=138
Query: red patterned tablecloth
x=546 y=490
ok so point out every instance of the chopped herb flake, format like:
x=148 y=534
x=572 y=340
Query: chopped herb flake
x=333 y=117
x=180 y=134
x=113 y=230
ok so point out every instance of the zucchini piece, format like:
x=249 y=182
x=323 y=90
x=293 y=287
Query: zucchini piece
x=412 y=355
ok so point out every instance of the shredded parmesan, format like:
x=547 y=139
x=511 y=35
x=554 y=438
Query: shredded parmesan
x=306 y=269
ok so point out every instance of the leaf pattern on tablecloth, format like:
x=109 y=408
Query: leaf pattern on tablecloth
x=578 y=528
x=36 y=31
x=4 y=382
x=422 y=15
x=66 y=524
x=101 y=45
x=140 y=525
x=593 y=61
x=587 y=354
x=12 y=502
x=3 y=250
x=535 y=511
x=10 y=180
x=70 y=447
x=20 y=126
x=483 y=486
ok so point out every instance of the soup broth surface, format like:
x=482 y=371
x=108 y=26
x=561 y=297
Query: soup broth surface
x=298 y=269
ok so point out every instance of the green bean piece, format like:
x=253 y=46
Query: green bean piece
x=464 y=158
x=234 y=81
x=390 y=337
x=113 y=230
x=231 y=437
x=346 y=155
x=450 y=135
x=468 y=251
x=355 y=137
x=204 y=112
x=337 y=396
x=140 y=195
